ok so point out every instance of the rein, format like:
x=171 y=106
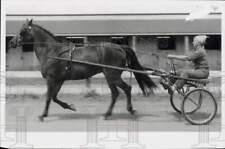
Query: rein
x=71 y=50
x=76 y=44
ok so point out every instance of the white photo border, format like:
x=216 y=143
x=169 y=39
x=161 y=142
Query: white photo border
x=76 y=139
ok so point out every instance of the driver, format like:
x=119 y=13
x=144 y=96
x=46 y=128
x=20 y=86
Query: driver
x=199 y=58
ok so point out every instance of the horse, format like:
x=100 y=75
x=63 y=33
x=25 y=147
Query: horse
x=56 y=72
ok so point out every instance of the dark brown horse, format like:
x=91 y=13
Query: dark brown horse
x=56 y=71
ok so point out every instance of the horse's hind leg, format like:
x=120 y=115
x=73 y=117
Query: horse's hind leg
x=127 y=89
x=114 y=94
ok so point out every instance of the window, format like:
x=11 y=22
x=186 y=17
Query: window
x=8 y=38
x=166 y=43
x=119 y=40
x=79 y=41
x=27 y=47
x=213 y=42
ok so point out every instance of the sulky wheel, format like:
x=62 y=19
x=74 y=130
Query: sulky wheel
x=176 y=101
x=199 y=107
x=177 y=98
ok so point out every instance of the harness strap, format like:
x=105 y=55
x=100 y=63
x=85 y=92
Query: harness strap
x=69 y=65
x=99 y=54
x=70 y=51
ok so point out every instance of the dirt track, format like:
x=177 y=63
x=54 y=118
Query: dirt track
x=154 y=113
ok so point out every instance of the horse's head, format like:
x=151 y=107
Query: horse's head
x=25 y=35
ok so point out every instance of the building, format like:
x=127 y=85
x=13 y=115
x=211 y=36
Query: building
x=152 y=31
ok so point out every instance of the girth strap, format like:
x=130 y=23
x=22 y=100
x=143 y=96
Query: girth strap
x=70 y=51
x=69 y=64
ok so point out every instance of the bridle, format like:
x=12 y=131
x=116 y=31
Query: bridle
x=19 y=38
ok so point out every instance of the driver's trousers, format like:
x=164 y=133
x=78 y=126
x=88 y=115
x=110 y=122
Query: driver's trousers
x=201 y=73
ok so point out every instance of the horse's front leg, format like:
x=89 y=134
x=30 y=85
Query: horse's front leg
x=53 y=87
x=55 y=90
x=48 y=100
x=45 y=113
x=64 y=105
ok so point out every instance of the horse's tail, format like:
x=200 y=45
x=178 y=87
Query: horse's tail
x=144 y=81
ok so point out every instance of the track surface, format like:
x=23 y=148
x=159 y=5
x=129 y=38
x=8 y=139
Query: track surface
x=154 y=113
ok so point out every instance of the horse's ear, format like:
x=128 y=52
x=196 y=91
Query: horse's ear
x=30 y=22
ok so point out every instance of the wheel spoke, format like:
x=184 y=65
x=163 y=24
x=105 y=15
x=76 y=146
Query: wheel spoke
x=176 y=100
x=192 y=100
x=205 y=110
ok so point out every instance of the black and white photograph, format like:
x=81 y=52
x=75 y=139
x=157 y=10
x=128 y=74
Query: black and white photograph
x=129 y=74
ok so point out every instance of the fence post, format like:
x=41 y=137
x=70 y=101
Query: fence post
x=21 y=128
x=203 y=137
x=133 y=137
x=112 y=131
x=3 y=136
x=92 y=132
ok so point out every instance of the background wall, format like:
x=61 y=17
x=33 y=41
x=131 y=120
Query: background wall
x=146 y=49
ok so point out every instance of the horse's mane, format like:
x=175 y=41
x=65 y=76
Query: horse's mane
x=48 y=32
x=63 y=43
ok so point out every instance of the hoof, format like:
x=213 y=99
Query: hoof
x=41 y=118
x=72 y=107
x=107 y=115
x=133 y=112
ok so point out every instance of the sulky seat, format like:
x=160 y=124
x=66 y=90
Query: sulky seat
x=204 y=81
x=198 y=82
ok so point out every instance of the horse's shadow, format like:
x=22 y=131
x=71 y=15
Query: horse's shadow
x=176 y=116
x=73 y=116
x=84 y=116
